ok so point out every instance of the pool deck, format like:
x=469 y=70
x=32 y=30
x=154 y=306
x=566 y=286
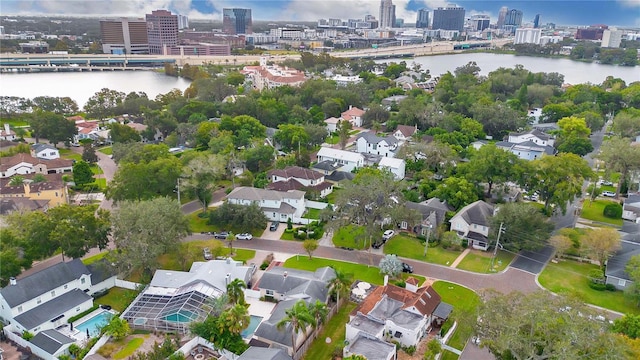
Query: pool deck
x=260 y=308
x=80 y=336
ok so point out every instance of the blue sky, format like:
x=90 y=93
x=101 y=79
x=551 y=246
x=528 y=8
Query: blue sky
x=565 y=12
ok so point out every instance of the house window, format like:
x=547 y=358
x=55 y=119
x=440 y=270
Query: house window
x=53 y=293
x=622 y=282
x=269 y=292
x=56 y=194
x=475 y=226
x=82 y=281
x=403 y=225
x=38 y=300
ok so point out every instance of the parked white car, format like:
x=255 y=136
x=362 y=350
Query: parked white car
x=244 y=236
x=387 y=234
x=609 y=194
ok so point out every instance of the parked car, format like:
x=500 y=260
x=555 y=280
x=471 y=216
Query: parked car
x=221 y=235
x=387 y=234
x=244 y=236
x=609 y=194
x=274 y=226
x=606 y=183
x=407 y=268
x=207 y=254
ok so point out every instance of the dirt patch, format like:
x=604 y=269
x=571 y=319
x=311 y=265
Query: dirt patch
x=420 y=350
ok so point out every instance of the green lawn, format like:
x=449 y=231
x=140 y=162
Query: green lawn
x=464 y=301
x=129 y=349
x=95 y=169
x=198 y=224
x=331 y=198
x=593 y=211
x=107 y=150
x=118 y=298
x=13 y=122
x=68 y=154
x=333 y=139
x=366 y=273
x=312 y=214
x=352 y=236
x=287 y=236
x=570 y=277
x=410 y=247
x=335 y=330
x=90 y=260
x=480 y=261
x=448 y=355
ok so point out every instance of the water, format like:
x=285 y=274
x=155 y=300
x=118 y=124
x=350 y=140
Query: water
x=94 y=324
x=182 y=316
x=253 y=325
x=80 y=86
x=575 y=72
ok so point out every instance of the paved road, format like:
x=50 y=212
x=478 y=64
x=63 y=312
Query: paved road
x=533 y=261
x=195 y=205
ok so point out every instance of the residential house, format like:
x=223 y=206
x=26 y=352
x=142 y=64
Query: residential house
x=23 y=164
x=174 y=299
x=91 y=130
x=331 y=172
x=395 y=166
x=13 y=203
x=267 y=76
x=391 y=313
x=391 y=101
x=472 y=223
x=527 y=150
x=260 y=353
x=353 y=115
x=47 y=194
x=45 y=151
x=433 y=213
x=6 y=145
x=50 y=344
x=370 y=143
x=631 y=208
x=342 y=80
x=616 y=271
x=343 y=160
x=536 y=136
x=276 y=205
x=7 y=133
x=142 y=127
x=288 y=286
x=299 y=178
x=48 y=298
x=332 y=124
x=371 y=347
x=405 y=132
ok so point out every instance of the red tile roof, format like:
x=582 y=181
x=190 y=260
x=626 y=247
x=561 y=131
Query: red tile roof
x=425 y=299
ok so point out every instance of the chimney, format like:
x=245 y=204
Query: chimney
x=228 y=261
x=6 y=128
x=386 y=280
x=284 y=274
x=12 y=281
x=227 y=278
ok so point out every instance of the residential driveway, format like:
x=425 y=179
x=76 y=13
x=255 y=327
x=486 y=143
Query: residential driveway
x=273 y=235
x=533 y=261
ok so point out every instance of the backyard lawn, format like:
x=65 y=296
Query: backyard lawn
x=463 y=300
x=90 y=260
x=129 y=348
x=312 y=213
x=480 y=261
x=593 y=211
x=570 y=277
x=352 y=236
x=335 y=330
x=118 y=298
x=198 y=224
x=333 y=139
x=370 y=274
x=412 y=248
x=107 y=150
x=68 y=154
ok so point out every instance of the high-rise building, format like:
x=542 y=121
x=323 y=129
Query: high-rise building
x=162 y=30
x=536 y=21
x=527 y=36
x=451 y=18
x=183 y=22
x=387 y=14
x=422 y=20
x=124 y=36
x=502 y=15
x=237 y=21
x=593 y=32
x=514 y=17
x=611 y=38
x=480 y=22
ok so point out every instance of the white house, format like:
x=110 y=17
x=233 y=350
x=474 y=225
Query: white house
x=535 y=136
x=353 y=115
x=276 y=205
x=332 y=124
x=7 y=133
x=23 y=164
x=527 y=150
x=299 y=178
x=396 y=166
x=405 y=132
x=45 y=151
x=343 y=160
x=371 y=143
x=631 y=208
x=342 y=80
x=472 y=223
x=616 y=271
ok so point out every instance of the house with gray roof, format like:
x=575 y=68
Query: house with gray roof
x=276 y=205
x=527 y=150
x=370 y=347
x=331 y=172
x=299 y=178
x=45 y=151
x=472 y=223
x=370 y=143
x=432 y=212
x=631 y=208
x=50 y=344
x=616 y=273
x=259 y=353
x=46 y=299
x=536 y=136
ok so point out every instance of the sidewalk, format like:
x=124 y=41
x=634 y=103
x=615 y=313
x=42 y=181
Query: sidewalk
x=460 y=257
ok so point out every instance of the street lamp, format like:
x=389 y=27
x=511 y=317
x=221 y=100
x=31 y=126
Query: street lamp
x=426 y=244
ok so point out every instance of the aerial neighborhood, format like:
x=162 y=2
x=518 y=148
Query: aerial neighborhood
x=299 y=202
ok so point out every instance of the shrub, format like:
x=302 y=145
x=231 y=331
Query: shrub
x=27 y=335
x=108 y=349
x=76 y=317
x=613 y=211
x=597 y=286
x=410 y=350
x=596 y=276
x=289 y=224
x=264 y=265
x=610 y=287
x=300 y=235
x=400 y=283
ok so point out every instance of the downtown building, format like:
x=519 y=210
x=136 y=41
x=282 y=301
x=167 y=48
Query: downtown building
x=528 y=36
x=422 y=20
x=611 y=38
x=480 y=22
x=387 y=14
x=450 y=18
x=124 y=36
x=236 y=21
x=162 y=31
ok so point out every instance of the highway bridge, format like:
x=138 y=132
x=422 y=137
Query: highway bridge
x=46 y=62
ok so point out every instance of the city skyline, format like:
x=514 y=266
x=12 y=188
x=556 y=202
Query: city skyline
x=624 y=13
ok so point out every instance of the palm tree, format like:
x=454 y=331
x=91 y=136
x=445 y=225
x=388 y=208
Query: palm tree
x=299 y=317
x=16 y=180
x=235 y=319
x=340 y=284
x=319 y=310
x=235 y=291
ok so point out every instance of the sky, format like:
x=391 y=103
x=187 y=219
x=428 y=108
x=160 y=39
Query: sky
x=625 y=13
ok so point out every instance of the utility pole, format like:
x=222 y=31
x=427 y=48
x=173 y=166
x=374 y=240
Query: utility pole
x=178 y=188
x=426 y=244
x=495 y=250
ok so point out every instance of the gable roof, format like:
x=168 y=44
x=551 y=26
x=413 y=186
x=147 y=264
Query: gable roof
x=40 y=146
x=326 y=165
x=372 y=138
x=51 y=341
x=296 y=172
x=257 y=194
x=52 y=308
x=340 y=154
x=10 y=204
x=431 y=206
x=298 y=283
x=478 y=213
x=406 y=130
x=391 y=162
x=211 y=272
x=43 y=281
x=425 y=300
x=632 y=203
x=11 y=161
x=535 y=132
x=616 y=265
x=260 y=353
x=352 y=112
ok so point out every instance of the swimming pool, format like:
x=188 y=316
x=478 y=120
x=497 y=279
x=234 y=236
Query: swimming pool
x=253 y=325
x=95 y=323
x=182 y=316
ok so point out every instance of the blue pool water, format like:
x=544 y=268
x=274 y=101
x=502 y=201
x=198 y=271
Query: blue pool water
x=182 y=316
x=94 y=324
x=253 y=325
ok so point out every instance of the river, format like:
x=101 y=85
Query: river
x=80 y=86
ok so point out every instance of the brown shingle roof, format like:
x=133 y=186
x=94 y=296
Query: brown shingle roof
x=296 y=172
x=406 y=130
x=11 y=161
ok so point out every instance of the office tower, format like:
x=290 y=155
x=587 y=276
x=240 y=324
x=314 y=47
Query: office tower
x=124 y=36
x=502 y=15
x=387 y=14
x=536 y=21
x=237 y=21
x=162 y=30
x=593 y=32
x=527 y=36
x=611 y=38
x=514 y=18
x=183 y=22
x=451 y=18
x=480 y=22
x=422 y=20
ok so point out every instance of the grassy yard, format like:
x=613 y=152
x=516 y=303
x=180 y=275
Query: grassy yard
x=463 y=301
x=68 y=154
x=412 y=248
x=366 y=273
x=352 y=236
x=331 y=198
x=198 y=224
x=129 y=348
x=593 y=211
x=312 y=214
x=480 y=261
x=118 y=298
x=448 y=355
x=333 y=139
x=107 y=150
x=335 y=330
x=13 y=122
x=90 y=260
x=570 y=277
